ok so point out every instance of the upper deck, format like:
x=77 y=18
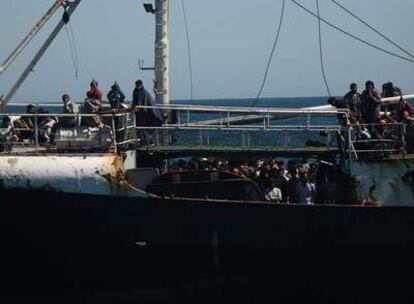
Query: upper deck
x=201 y=130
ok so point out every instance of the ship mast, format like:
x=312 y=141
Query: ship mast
x=162 y=49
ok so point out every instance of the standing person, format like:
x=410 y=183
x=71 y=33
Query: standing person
x=371 y=101
x=390 y=90
x=272 y=193
x=353 y=101
x=116 y=97
x=145 y=117
x=371 y=104
x=305 y=190
x=141 y=97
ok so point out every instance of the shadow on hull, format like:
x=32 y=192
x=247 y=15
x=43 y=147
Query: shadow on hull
x=96 y=249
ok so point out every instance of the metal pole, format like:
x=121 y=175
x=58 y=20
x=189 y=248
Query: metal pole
x=72 y=7
x=162 y=61
x=26 y=40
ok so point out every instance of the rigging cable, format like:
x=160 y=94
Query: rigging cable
x=72 y=41
x=372 y=28
x=190 y=65
x=352 y=35
x=271 y=53
x=321 y=49
x=75 y=48
x=73 y=52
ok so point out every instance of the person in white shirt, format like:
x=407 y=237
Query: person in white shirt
x=272 y=193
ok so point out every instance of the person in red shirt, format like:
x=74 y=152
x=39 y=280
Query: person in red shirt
x=406 y=112
x=95 y=92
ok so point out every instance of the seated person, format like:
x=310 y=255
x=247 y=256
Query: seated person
x=91 y=106
x=25 y=125
x=69 y=107
x=45 y=125
x=7 y=134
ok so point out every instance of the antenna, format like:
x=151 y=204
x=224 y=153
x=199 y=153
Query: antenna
x=142 y=67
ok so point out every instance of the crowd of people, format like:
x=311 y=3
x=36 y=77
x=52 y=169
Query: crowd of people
x=23 y=128
x=280 y=182
x=368 y=111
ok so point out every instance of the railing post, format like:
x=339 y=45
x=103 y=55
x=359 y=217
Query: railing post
x=403 y=131
x=188 y=117
x=308 y=122
x=114 y=134
x=201 y=137
x=178 y=119
x=36 y=132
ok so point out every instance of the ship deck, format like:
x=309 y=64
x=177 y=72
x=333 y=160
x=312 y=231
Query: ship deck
x=171 y=151
x=198 y=150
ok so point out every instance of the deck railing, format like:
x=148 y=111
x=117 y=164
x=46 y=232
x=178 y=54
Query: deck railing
x=204 y=124
x=374 y=139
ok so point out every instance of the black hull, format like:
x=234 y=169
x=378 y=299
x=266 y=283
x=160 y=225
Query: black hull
x=69 y=246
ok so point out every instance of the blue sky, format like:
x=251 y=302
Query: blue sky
x=231 y=41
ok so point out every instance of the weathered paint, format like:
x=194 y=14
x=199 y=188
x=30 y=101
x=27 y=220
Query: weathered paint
x=90 y=174
x=383 y=182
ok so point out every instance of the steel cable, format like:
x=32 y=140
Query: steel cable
x=321 y=50
x=372 y=28
x=271 y=53
x=190 y=65
x=351 y=35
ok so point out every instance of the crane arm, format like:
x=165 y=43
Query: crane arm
x=70 y=8
x=26 y=40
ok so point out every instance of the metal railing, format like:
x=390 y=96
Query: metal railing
x=203 y=123
x=27 y=129
x=373 y=139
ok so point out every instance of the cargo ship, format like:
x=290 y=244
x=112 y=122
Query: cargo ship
x=93 y=217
